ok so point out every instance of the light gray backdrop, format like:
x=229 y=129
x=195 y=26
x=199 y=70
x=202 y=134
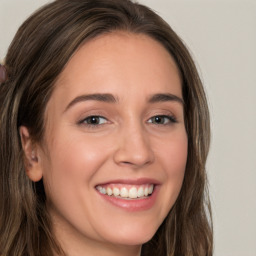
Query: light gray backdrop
x=222 y=37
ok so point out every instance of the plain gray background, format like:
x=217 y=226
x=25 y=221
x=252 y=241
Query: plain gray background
x=222 y=38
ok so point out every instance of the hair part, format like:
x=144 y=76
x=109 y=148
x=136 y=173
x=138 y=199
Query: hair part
x=39 y=52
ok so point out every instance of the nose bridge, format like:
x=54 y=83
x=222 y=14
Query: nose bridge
x=134 y=145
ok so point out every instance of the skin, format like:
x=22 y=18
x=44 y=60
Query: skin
x=128 y=143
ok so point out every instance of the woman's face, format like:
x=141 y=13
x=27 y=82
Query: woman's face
x=116 y=142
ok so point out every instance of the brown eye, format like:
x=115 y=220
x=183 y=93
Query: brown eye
x=162 y=120
x=94 y=120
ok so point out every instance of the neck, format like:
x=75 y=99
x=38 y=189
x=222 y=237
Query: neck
x=75 y=244
x=100 y=249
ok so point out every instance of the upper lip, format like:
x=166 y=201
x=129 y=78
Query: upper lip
x=139 y=181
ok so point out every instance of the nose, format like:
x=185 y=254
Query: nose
x=134 y=148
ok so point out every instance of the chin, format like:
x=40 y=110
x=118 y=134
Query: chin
x=131 y=236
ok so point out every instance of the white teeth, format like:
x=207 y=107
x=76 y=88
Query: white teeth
x=109 y=191
x=150 y=189
x=116 y=192
x=146 y=191
x=140 y=192
x=101 y=189
x=133 y=192
x=124 y=192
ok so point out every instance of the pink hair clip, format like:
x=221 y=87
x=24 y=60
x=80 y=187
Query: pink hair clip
x=3 y=74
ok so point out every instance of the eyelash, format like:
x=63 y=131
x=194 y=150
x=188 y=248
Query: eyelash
x=168 y=120
x=93 y=125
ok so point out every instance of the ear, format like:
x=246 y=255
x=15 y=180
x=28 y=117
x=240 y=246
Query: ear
x=31 y=158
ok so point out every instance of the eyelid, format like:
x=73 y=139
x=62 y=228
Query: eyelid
x=82 y=121
x=172 y=119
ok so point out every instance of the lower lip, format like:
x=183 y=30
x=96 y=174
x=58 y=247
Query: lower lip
x=133 y=205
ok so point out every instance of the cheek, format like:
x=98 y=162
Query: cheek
x=173 y=158
x=177 y=160
x=68 y=178
x=173 y=154
x=73 y=161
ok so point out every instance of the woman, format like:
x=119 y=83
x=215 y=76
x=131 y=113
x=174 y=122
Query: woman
x=104 y=136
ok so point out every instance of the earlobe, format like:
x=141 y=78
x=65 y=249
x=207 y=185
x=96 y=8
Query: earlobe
x=31 y=158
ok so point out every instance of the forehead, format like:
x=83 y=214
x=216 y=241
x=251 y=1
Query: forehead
x=119 y=61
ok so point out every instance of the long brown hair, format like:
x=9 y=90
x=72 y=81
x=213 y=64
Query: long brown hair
x=41 y=48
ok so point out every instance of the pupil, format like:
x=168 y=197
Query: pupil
x=158 y=119
x=93 y=120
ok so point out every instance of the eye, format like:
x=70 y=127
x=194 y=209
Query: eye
x=162 y=119
x=94 y=120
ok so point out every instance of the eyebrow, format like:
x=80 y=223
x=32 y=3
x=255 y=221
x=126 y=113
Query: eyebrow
x=163 y=97
x=103 y=97
x=109 y=98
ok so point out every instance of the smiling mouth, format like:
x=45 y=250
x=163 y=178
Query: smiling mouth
x=126 y=191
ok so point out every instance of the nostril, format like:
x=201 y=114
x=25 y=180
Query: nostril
x=134 y=162
x=133 y=148
x=127 y=162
